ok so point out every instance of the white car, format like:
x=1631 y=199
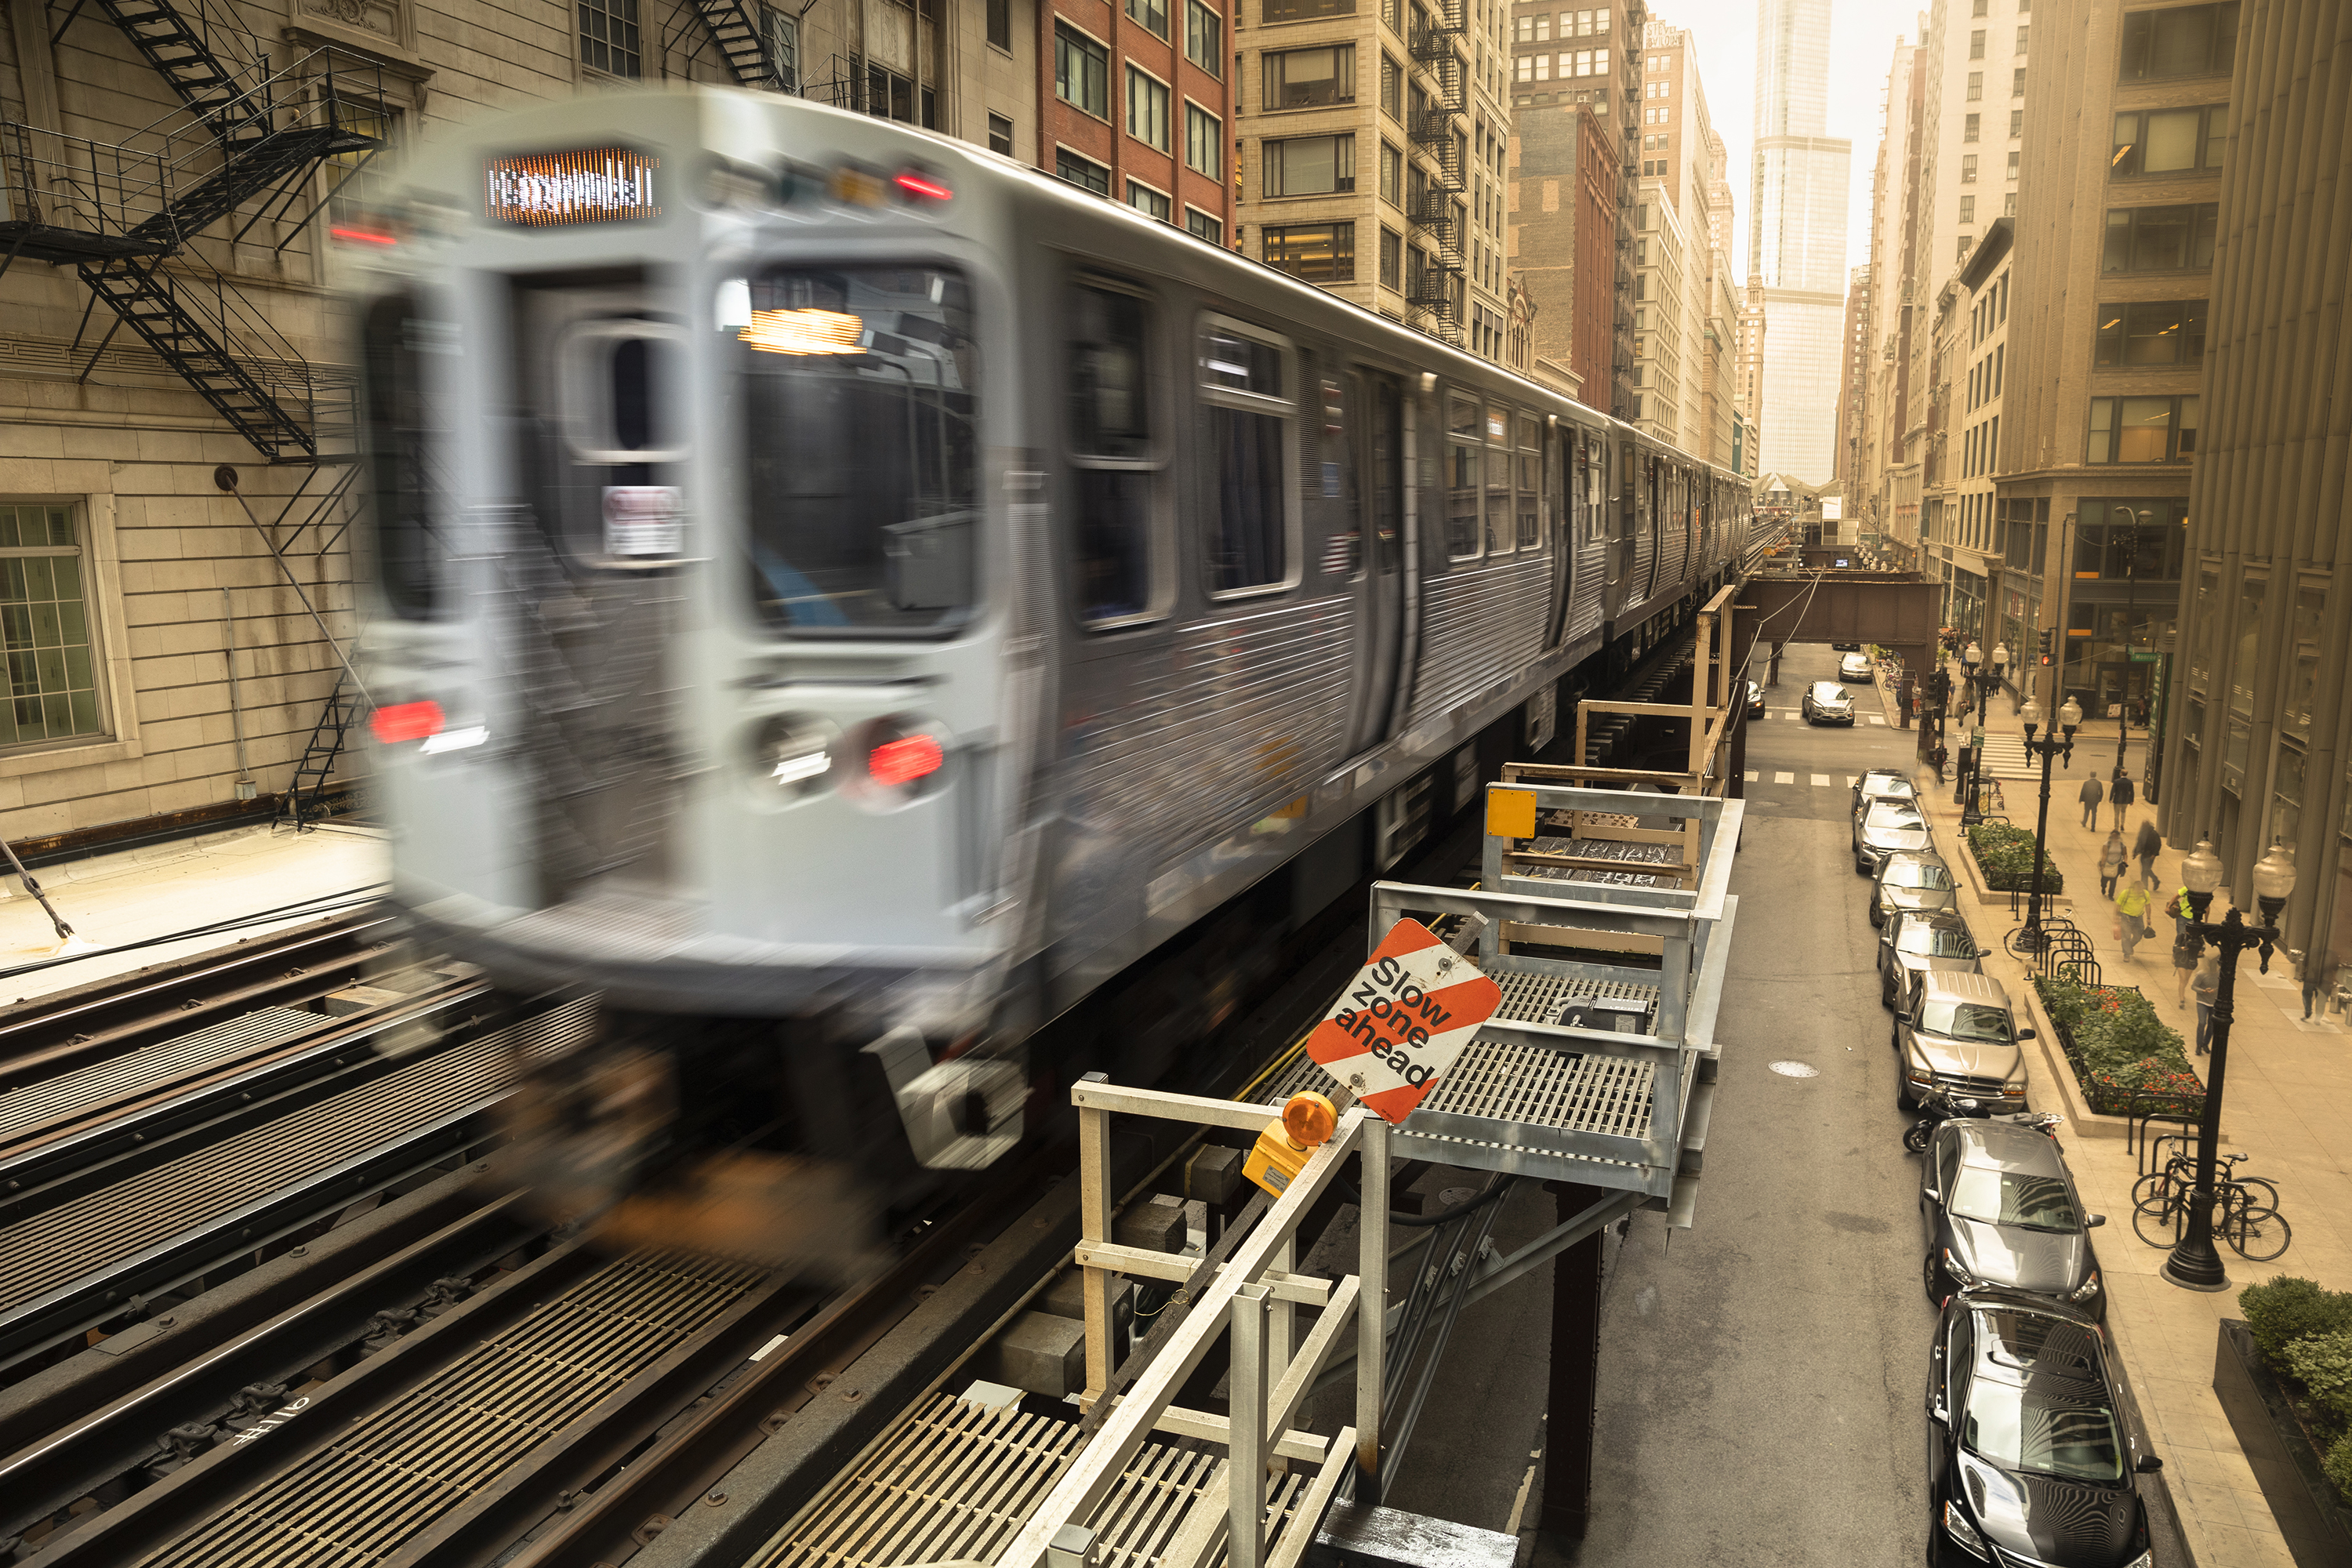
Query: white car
x=1855 y=667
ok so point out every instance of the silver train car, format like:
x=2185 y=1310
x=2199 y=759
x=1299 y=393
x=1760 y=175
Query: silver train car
x=824 y=571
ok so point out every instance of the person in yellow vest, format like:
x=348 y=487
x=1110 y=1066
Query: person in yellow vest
x=2131 y=921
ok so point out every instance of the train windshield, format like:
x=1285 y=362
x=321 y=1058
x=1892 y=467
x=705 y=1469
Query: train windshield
x=859 y=388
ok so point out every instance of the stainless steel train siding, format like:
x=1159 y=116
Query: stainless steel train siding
x=605 y=798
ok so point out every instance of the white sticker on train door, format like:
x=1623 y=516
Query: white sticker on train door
x=644 y=520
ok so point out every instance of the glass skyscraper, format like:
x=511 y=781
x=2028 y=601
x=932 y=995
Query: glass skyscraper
x=1796 y=239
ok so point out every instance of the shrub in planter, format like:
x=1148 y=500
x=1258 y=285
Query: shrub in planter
x=2287 y=1309
x=2005 y=853
x=2338 y=1465
x=2324 y=1362
x=2116 y=1044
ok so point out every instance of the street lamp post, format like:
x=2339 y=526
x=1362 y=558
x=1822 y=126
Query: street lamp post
x=2131 y=614
x=1983 y=680
x=2194 y=1263
x=2070 y=719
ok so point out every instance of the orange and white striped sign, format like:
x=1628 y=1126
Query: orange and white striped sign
x=1403 y=1020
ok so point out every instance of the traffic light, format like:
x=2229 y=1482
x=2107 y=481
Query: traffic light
x=2045 y=646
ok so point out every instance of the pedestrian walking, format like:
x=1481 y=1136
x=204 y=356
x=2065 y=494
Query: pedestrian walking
x=1902 y=703
x=1937 y=758
x=2186 y=949
x=2145 y=849
x=2120 y=796
x=2206 y=987
x=2131 y=917
x=2316 y=971
x=2091 y=795
x=2112 y=862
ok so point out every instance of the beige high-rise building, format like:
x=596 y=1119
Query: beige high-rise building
x=1893 y=433
x=1372 y=156
x=1682 y=179
x=1748 y=373
x=2118 y=207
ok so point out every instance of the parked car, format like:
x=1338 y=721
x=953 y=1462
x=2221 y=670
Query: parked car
x=1913 y=880
x=1755 y=701
x=2030 y=1452
x=1999 y=1207
x=1882 y=783
x=1845 y=648
x=1917 y=941
x=1887 y=828
x=1827 y=702
x=1855 y=667
x=1957 y=1034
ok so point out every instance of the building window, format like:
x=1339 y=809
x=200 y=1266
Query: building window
x=2020 y=41
x=2159 y=239
x=1244 y=391
x=1081 y=72
x=2142 y=429
x=2009 y=205
x=2147 y=332
x=608 y=35
x=1976 y=44
x=2016 y=123
x=1310 y=166
x=2170 y=141
x=1201 y=225
x=1310 y=78
x=999 y=134
x=1204 y=142
x=1968 y=168
x=1318 y=252
x=1976 y=86
x=1392 y=259
x=1967 y=209
x=1970 y=126
x=1152 y=14
x=45 y=624
x=782 y=33
x=1147 y=109
x=2012 y=168
x=1960 y=248
x=1392 y=90
x=1147 y=201
x=1082 y=171
x=2188 y=40
x=1391 y=175
x=1204 y=38
x=1000 y=22
x=1112 y=450
x=2017 y=82
x=1306 y=10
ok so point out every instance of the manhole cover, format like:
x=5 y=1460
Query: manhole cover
x=1796 y=1070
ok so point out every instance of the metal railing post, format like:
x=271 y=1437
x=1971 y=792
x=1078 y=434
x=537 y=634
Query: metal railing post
x=1094 y=1225
x=1372 y=1308
x=1245 y=1471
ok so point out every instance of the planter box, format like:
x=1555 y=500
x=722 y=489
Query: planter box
x=1967 y=855
x=2316 y=1524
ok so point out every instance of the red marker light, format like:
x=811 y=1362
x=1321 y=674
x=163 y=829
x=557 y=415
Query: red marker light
x=916 y=185
x=902 y=761
x=365 y=236
x=407 y=722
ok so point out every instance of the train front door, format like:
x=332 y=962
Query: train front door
x=1374 y=416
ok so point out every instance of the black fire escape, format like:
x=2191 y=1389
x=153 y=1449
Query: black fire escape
x=1434 y=292
x=240 y=153
x=734 y=26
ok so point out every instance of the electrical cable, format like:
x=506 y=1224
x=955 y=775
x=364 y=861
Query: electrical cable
x=354 y=898
x=1457 y=1212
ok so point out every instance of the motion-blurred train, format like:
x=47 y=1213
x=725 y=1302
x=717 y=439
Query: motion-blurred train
x=829 y=573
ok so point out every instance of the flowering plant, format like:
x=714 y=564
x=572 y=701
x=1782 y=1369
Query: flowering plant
x=2118 y=1046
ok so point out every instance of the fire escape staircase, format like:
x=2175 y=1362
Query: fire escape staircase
x=253 y=134
x=734 y=26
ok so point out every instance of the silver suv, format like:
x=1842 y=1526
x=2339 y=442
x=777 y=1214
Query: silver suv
x=1957 y=1035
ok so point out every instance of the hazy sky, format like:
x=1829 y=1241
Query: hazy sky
x=1862 y=41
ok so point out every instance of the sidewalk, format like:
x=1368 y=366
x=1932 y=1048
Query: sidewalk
x=2287 y=1102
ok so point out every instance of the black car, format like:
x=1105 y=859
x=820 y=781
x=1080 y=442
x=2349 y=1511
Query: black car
x=1845 y=648
x=1999 y=1207
x=2030 y=1458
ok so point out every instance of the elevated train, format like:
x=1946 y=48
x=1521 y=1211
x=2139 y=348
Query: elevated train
x=830 y=574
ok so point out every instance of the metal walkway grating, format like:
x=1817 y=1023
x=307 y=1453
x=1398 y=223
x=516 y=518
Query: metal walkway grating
x=436 y=1447
x=1634 y=855
x=956 y=1481
x=52 y=1249
x=167 y=1061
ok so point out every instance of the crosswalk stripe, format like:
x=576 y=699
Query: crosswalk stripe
x=1877 y=720
x=1850 y=781
x=1820 y=779
x=1784 y=778
x=1750 y=775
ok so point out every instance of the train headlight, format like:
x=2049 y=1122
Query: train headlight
x=791 y=753
x=891 y=761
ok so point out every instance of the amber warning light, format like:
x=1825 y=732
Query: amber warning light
x=550 y=190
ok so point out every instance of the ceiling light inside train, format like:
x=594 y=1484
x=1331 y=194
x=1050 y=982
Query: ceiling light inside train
x=807 y=332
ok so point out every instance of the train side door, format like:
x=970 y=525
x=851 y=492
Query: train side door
x=1373 y=413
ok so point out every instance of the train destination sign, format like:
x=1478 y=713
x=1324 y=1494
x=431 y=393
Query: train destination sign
x=1403 y=1019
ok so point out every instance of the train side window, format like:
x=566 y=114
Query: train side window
x=1462 y=461
x=1531 y=486
x=409 y=549
x=1498 y=480
x=1249 y=407
x=1121 y=577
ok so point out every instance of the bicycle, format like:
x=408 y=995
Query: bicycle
x=2255 y=1229
x=2153 y=1192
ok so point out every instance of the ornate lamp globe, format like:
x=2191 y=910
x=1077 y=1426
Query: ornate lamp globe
x=1972 y=654
x=2031 y=714
x=2201 y=871
x=2070 y=716
x=2000 y=656
x=2274 y=879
